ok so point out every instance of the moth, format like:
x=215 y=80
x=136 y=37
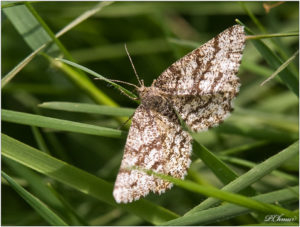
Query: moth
x=199 y=88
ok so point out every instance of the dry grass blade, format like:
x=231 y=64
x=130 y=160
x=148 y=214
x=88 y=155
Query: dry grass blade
x=282 y=67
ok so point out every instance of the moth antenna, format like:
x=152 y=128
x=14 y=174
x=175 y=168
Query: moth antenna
x=132 y=98
x=121 y=89
x=124 y=82
x=137 y=76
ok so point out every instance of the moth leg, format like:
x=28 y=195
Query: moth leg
x=124 y=123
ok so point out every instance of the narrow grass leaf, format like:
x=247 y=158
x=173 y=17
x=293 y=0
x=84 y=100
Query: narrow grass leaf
x=9 y=76
x=39 y=139
x=184 y=43
x=88 y=108
x=58 y=124
x=223 y=195
x=289 y=79
x=19 y=89
x=67 y=28
x=247 y=96
x=84 y=83
x=128 y=220
x=35 y=182
x=10 y=4
x=116 y=50
x=285 y=75
x=284 y=122
x=30 y=28
x=243 y=148
x=282 y=67
x=264 y=36
x=278 y=103
x=49 y=32
x=256 y=131
x=227 y=211
x=253 y=175
x=79 y=179
x=47 y=214
x=83 y=17
x=245 y=163
x=98 y=76
x=253 y=17
x=209 y=8
x=37 y=33
x=60 y=150
x=278 y=45
x=219 y=168
x=257 y=69
x=105 y=218
x=73 y=217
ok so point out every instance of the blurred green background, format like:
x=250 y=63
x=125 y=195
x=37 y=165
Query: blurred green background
x=157 y=34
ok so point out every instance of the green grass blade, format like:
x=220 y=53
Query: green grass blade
x=98 y=76
x=184 y=43
x=9 y=76
x=285 y=75
x=35 y=182
x=88 y=108
x=247 y=129
x=247 y=96
x=48 y=30
x=30 y=28
x=224 y=195
x=58 y=124
x=220 y=169
x=87 y=14
x=278 y=46
x=84 y=83
x=41 y=208
x=253 y=17
x=102 y=220
x=265 y=36
x=128 y=220
x=79 y=179
x=25 y=19
x=249 y=164
x=261 y=125
x=227 y=211
x=19 y=89
x=253 y=175
x=73 y=217
x=39 y=139
x=256 y=69
x=284 y=122
x=60 y=150
x=67 y=28
x=243 y=148
x=288 y=78
x=10 y=4
x=116 y=50
x=282 y=67
x=278 y=103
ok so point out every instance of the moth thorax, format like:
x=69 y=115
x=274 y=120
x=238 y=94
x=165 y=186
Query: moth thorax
x=145 y=92
x=150 y=96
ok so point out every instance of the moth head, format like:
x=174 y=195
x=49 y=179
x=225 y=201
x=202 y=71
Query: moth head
x=147 y=92
x=143 y=91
